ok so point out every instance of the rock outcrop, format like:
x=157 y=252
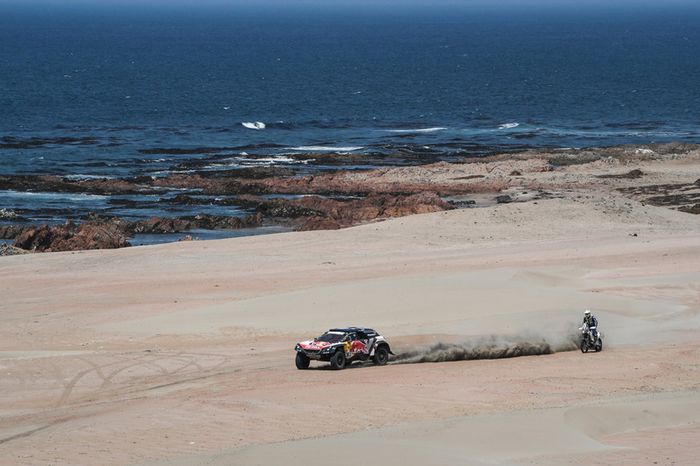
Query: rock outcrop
x=111 y=232
x=204 y=222
x=318 y=213
x=71 y=237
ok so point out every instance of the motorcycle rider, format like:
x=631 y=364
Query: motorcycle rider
x=592 y=323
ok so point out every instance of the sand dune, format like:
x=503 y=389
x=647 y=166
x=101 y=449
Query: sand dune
x=525 y=437
x=182 y=353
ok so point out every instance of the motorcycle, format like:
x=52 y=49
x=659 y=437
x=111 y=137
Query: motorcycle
x=590 y=339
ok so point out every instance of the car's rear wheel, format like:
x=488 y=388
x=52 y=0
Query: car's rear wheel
x=381 y=356
x=338 y=360
x=302 y=361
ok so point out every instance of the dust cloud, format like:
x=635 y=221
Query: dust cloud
x=491 y=347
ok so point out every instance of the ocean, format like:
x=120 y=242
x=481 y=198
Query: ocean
x=116 y=92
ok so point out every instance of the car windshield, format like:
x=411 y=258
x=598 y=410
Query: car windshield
x=331 y=337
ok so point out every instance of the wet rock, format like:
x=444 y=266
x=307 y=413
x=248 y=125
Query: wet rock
x=34 y=183
x=128 y=203
x=56 y=184
x=287 y=209
x=99 y=232
x=141 y=179
x=186 y=199
x=334 y=214
x=109 y=186
x=254 y=173
x=159 y=225
x=327 y=184
x=10 y=231
x=71 y=237
x=11 y=142
x=7 y=250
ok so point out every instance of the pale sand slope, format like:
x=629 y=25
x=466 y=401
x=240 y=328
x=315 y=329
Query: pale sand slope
x=546 y=436
x=183 y=352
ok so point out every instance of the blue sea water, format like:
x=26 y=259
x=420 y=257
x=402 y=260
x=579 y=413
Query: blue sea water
x=116 y=81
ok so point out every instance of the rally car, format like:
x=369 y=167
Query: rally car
x=343 y=346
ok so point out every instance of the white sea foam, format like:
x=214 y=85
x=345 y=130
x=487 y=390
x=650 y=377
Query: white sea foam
x=509 y=125
x=87 y=177
x=254 y=124
x=258 y=161
x=8 y=214
x=50 y=195
x=267 y=160
x=325 y=148
x=417 y=130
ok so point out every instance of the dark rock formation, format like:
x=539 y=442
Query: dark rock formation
x=10 y=231
x=71 y=237
x=57 y=184
x=693 y=209
x=11 y=142
x=111 y=232
x=334 y=214
x=7 y=250
x=205 y=222
x=630 y=175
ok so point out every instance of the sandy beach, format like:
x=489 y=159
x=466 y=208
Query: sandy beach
x=183 y=353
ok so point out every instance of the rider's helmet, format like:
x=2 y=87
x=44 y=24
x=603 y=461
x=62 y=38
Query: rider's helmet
x=587 y=312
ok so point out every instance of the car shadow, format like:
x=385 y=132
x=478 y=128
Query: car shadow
x=327 y=367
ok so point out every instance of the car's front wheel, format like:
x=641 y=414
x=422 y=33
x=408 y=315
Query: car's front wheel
x=338 y=360
x=381 y=356
x=302 y=361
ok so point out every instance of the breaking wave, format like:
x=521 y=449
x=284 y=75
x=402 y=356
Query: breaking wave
x=244 y=161
x=253 y=124
x=509 y=125
x=416 y=130
x=490 y=347
x=326 y=148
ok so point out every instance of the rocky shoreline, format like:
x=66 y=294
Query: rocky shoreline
x=264 y=196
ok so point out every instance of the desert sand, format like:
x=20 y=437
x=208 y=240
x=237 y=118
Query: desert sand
x=183 y=353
